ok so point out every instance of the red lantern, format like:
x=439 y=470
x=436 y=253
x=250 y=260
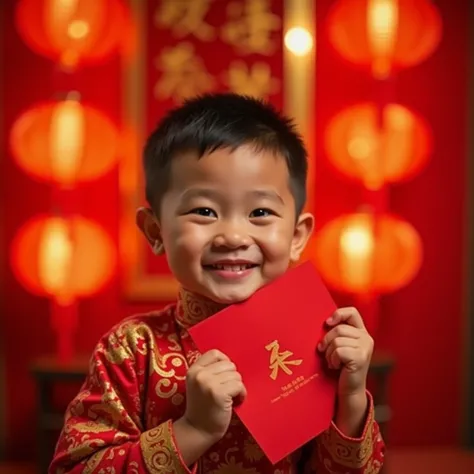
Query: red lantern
x=65 y=259
x=365 y=255
x=378 y=153
x=64 y=142
x=385 y=34
x=74 y=31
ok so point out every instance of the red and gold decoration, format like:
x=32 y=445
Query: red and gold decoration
x=65 y=142
x=372 y=252
x=254 y=47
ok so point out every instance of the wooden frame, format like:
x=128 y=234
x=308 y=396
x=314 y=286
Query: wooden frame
x=3 y=263
x=299 y=80
x=468 y=371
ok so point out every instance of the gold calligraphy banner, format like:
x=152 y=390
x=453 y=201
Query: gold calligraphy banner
x=190 y=47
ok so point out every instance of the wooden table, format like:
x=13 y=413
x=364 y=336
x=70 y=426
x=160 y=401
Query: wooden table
x=48 y=372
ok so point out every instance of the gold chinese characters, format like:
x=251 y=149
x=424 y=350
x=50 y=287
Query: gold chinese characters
x=183 y=74
x=249 y=27
x=185 y=17
x=256 y=81
x=279 y=360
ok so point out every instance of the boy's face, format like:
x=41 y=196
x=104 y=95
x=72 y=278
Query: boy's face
x=228 y=223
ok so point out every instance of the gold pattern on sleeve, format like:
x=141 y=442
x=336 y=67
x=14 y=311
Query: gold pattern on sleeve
x=81 y=448
x=353 y=453
x=171 y=368
x=231 y=466
x=132 y=338
x=160 y=453
x=125 y=341
x=183 y=74
x=252 y=451
x=135 y=336
x=185 y=17
x=167 y=385
x=92 y=462
x=251 y=26
x=174 y=345
x=373 y=467
x=256 y=81
x=118 y=355
x=109 y=454
x=108 y=414
x=133 y=468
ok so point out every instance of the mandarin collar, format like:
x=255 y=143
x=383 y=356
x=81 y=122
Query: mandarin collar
x=192 y=309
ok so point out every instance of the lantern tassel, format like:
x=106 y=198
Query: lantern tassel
x=64 y=319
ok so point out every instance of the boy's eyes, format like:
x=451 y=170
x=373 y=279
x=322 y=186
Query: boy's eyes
x=203 y=211
x=208 y=212
x=262 y=213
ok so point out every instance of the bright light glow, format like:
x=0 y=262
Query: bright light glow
x=357 y=252
x=67 y=139
x=382 y=26
x=55 y=255
x=357 y=241
x=78 y=29
x=299 y=41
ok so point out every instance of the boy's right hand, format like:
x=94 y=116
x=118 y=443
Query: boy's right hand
x=212 y=384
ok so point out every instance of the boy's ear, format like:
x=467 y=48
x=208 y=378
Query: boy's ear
x=303 y=230
x=148 y=224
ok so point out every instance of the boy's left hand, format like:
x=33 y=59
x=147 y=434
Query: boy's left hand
x=348 y=346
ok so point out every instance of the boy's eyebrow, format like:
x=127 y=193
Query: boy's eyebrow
x=267 y=194
x=199 y=192
x=213 y=194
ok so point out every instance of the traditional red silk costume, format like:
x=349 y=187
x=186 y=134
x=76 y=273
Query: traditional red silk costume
x=122 y=419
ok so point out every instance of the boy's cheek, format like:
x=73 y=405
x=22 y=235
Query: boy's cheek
x=188 y=239
x=275 y=242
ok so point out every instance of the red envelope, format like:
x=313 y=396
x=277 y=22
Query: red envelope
x=272 y=338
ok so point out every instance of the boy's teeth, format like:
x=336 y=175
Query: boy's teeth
x=232 y=268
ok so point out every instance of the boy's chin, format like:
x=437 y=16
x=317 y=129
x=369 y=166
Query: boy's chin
x=230 y=297
x=227 y=300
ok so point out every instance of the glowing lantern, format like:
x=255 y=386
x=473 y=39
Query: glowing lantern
x=385 y=34
x=64 y=142
x=389 y=152
x=72 y=31
x=362 y=254
x=64 y=259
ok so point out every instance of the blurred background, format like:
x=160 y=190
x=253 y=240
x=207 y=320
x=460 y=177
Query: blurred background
x=381 y=91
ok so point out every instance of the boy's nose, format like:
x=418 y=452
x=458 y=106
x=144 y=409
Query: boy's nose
x=232 y=236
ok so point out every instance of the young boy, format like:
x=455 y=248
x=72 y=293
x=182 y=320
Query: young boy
x=225 y=181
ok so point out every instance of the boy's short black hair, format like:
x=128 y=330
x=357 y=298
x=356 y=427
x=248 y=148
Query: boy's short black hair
x=210 y=122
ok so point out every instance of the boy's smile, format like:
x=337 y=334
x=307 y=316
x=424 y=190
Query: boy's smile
x=228 y=222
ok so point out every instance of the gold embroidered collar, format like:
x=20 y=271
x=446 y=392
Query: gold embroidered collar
x=192 y=309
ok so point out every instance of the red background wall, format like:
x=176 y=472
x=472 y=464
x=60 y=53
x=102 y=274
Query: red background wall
x=421 y=324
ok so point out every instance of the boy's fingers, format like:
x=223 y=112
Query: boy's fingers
x=225 y=377
x=221 y=366
x=211 y=357
x=343 y=330
x=235 y=388
x=348 y=316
